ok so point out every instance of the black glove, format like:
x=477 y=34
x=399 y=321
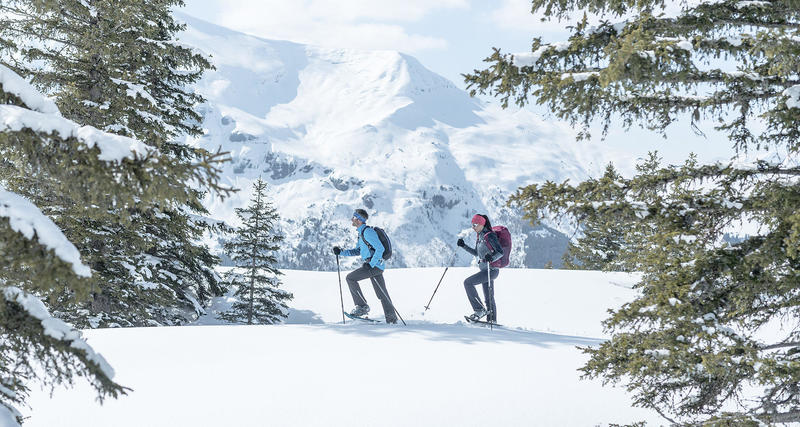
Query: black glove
x=487 y=258
x=337 y=250
x=461 y=243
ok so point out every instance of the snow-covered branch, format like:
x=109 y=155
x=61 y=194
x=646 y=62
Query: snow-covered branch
x=28 y=220
x=133 y=90
x=56 y=328
x=525 y=59
x=16 y=85
x=113 y=148
x=794 y=96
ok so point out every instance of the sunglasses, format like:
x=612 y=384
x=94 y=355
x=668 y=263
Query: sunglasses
x=474 y=224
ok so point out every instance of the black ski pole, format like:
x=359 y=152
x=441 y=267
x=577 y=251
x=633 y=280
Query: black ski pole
x=440 y=282
x=375 y=284
x=341 y=298
x=490 y=300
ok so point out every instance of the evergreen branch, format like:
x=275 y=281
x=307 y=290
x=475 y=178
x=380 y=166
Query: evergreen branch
x=41 y=36
x=774 y=25
x=780 y=345
x=780 y=417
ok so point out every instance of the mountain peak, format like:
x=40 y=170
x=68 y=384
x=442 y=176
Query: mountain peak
x=336 y=129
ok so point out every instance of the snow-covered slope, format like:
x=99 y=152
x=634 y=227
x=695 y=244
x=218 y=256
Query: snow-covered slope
x=337 y=129
x=437 y=371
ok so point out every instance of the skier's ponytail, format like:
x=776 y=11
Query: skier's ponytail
x=488 y=224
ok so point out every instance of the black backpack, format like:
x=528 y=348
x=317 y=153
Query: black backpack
x=387 y=244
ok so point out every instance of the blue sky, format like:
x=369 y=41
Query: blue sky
x=450 y=37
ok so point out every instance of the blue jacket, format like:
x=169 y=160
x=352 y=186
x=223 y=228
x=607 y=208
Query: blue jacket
x=375 y=259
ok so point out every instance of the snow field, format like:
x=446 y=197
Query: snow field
x=564 y=302
x=435 y=371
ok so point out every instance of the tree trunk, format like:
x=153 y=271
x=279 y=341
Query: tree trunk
x=253 y=267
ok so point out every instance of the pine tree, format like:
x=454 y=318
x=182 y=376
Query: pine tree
x=693 y=343
x=601 y=244
x=115 y=65
x=118 y=67
x=253 y=252
x=95 y=170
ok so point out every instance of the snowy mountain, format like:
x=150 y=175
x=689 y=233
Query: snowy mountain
x=332 y=130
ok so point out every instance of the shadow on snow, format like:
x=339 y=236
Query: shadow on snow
x=463 y=333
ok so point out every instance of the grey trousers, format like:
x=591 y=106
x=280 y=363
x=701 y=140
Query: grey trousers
x=375 y=275
x=481 y=278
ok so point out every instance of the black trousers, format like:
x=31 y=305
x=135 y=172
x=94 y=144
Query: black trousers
x=375 y=275
x=482 y=278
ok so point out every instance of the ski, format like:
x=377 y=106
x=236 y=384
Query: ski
x=482 y=322
x=361 y=318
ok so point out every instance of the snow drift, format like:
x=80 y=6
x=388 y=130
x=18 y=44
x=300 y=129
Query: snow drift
x=317 y=372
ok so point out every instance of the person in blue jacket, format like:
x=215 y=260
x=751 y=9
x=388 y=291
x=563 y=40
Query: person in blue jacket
x=371 y=250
